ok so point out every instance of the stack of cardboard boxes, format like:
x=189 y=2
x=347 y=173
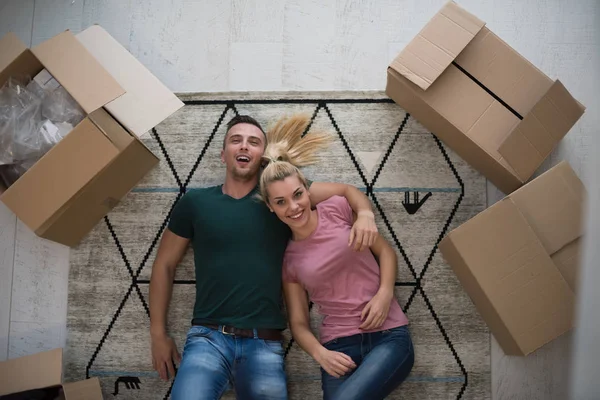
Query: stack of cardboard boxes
x=83 y=176
x=518 y=259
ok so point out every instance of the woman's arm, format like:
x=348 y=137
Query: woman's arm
x=376 y=311
x=364 y=231
x=335 y=363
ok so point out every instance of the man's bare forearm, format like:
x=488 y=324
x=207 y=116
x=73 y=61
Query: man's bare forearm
x=169 y=254
x=161 y=288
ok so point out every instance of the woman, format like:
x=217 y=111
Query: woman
x=364 y=347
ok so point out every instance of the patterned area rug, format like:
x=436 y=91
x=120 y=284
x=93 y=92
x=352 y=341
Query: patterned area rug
x=419 y=188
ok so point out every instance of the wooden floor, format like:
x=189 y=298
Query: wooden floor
x=231 y=45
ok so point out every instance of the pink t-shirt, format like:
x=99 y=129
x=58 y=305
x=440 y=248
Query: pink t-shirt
x=339 y=280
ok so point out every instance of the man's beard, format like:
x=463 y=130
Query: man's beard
x=244 y=174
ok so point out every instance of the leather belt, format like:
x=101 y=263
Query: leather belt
x=266 y=334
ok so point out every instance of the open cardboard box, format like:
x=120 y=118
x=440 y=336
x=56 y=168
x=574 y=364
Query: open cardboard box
x=43 y=371
x=518 y=260
x=74 y=185
x=481 y=98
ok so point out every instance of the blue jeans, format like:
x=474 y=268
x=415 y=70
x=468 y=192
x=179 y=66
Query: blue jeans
x=213 y=361
x=383 y=361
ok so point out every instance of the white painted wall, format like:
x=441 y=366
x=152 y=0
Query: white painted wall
x=235 y=45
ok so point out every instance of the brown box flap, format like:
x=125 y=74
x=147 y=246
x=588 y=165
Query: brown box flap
x=16 y=59
x=421 y=105
x=567 y=261
x=538 y=134
x=553 y=205
x=59 y=175
x=451 y=248
x=519 y=279
x=147 y=101
x=36 y=371
x=88 y=389
x=437 y=45
x=105 y=191
x=78 y=71
x=504 y=72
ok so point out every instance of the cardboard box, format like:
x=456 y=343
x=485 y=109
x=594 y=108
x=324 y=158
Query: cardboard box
x=481 y=98
x=43 y=371
x=68 y=191
x=518 y=260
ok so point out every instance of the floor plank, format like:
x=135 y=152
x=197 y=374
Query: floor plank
x=32 y=337
x=112 y=15
x=257 y=21
x=185 y=44
x=39 y=292
x=17 y=16
x=52 y=17
x=308 y=45
x=8 y=223
x=255 y=66
x=361 y=46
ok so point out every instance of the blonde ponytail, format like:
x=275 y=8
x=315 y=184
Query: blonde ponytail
x=287 y=150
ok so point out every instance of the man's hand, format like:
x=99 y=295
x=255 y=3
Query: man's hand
x=376 y=310
x=164 y=353
x=364 y=231
x=335 y=363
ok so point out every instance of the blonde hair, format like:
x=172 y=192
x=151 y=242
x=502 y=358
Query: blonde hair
x=287 y=150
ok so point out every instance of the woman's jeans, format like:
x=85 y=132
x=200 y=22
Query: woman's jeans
x=383 y=361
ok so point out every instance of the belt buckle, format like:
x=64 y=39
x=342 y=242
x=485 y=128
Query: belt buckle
x=222 y=330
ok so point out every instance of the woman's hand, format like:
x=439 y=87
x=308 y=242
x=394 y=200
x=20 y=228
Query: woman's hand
x=334 y=363
x=364 y=231
x=376 y=310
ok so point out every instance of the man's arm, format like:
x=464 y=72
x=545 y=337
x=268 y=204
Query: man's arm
x=364 y=231
x=171 y=250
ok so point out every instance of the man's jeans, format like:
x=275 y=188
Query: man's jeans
x=213 y=362
x=384 y=360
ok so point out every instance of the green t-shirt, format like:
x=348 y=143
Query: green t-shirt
x=238 y=253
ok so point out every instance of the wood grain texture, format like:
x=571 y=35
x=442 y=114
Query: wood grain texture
x=586 y=341
x=308 y=45
x=8 y=223
x=40 y=280
x=361 y=49
x=257 y=21
x=17 y=16
x=112 y=15
x=51 y=17
x=255 y=66
x=541 y=375
x=32 y=337
x=186 y=44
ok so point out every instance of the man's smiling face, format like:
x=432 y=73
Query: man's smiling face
x=243 y=150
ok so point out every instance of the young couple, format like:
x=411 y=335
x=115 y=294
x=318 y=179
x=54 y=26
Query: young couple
x=268 y=227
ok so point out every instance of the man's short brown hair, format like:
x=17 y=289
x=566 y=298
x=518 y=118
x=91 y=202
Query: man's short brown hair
x=242 y=119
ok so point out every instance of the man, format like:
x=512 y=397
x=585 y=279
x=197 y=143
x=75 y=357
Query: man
x=238 y=245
